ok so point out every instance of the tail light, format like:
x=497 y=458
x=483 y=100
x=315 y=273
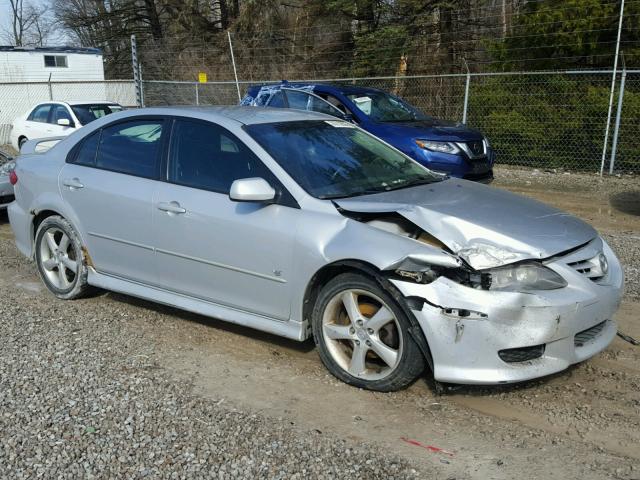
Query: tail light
x=13 y=177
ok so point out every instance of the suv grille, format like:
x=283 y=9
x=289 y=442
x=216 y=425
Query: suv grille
x=524 y=354
x=588 y=335
x=476 y=148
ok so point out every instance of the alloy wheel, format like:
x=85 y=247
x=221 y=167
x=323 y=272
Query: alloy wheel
x=362 y=334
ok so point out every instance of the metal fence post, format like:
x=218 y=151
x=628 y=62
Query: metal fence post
x=613 y=88
x=50 y=88
x=466 y=98
x=197 y=95
x=233 y=61
x=616 y=131
x=136 y=71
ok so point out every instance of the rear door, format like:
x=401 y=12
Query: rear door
x=207 y=246
x=109 y=182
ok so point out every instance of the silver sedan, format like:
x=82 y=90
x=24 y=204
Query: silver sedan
x=302 y=225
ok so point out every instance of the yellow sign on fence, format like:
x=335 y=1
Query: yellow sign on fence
x=202 y=77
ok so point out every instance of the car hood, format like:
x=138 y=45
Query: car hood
x=427 y=129
x=485 y=226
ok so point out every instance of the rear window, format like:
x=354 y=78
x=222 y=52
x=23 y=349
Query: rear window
x=90 y=112
x=131 y=147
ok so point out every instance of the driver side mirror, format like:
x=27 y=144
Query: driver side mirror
x=64 y=122
x=251 y=190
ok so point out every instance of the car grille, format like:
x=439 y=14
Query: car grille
x=476 y=148
x=588 y=335
x=524 y=354
x=6 y=199
x=589 y=268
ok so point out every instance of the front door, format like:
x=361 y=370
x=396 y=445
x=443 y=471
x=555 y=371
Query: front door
x=109 y=186
x=235 y=254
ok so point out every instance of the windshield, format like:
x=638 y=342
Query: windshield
x=335 y=159
x=382 y=107
x=90 y=112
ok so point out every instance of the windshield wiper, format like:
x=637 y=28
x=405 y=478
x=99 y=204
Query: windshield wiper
x=368 y=191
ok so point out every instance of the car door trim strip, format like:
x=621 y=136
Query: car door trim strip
x=120 y=240
x=222 y=265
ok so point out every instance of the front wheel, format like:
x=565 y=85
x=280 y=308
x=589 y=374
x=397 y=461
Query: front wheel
x=60 y=258
x=21 y=142
x=362 y=335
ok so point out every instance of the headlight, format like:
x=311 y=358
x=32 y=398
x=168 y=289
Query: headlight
x=442 y=147
x=7 y=168
x=525 y=277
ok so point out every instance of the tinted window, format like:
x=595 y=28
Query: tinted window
x=131 y=147
x=60 y=111
x=41 y=113
x=87 y=152
x=333 y=159
x=305 y=101
x=90 y=112
x=206 y=156
x=277 y=100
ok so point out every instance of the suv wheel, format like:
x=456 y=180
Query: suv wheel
x=60 y=258
x=362 y=335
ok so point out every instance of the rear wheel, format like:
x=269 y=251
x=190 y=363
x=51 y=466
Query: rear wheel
x=22 y=141
x=362 y=335
x=60 y=258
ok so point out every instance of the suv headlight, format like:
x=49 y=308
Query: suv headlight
x=6 y=169
x=442 y=147
x=525 y=277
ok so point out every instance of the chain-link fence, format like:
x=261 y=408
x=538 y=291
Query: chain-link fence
x=17 y=98
x=540 y=119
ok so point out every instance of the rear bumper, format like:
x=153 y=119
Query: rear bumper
x=467 y=349
x=21 y=224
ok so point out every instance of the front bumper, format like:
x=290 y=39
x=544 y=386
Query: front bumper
x=466 y=328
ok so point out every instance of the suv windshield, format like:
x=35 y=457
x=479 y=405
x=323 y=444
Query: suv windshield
x=382 y=107
x=335 y=159
x=90 y=112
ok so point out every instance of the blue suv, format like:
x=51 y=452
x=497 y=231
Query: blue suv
x=442 y=146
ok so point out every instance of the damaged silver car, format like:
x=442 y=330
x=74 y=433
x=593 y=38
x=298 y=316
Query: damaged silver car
x=302 y=225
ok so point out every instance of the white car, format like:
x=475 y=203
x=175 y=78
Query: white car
x=55 y=119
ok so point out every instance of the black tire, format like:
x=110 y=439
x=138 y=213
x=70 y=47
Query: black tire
x=21 y=142
x=411 y=363
x=78 y=286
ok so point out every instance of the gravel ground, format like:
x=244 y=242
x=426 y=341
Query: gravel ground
x=80 y=398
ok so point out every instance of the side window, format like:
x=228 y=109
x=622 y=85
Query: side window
x=298 y=99
x=131 y=147
x=319 y=105
x=206 y=156
x=308 y=101
x=41 y=113
x=59 y=112
x=86 y=154
x=277 y=100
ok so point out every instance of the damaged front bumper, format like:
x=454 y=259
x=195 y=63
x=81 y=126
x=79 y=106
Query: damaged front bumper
x=487 y=337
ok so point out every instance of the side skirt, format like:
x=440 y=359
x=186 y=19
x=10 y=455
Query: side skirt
x=289 y=329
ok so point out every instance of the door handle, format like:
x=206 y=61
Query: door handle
x=171 y=207
x=72 y=183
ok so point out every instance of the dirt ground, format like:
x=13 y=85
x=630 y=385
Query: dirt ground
x=582 y=423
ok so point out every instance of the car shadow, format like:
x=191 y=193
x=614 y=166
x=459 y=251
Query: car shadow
x=251 y=333
x=4 y=216
x=626 y=202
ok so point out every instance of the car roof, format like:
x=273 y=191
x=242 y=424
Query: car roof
x=242 y=114
x=319 y=87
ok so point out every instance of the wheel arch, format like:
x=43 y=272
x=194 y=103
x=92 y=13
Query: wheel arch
x=331 y=270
